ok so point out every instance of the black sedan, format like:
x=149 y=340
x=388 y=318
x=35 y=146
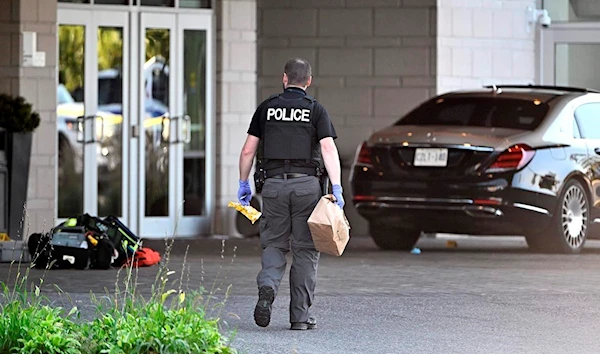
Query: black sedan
x=503 y=160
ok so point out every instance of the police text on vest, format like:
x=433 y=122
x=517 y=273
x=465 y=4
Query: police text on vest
x=295 y=114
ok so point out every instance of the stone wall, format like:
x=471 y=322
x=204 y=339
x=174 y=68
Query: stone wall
x=483 y=42
x=372 y=61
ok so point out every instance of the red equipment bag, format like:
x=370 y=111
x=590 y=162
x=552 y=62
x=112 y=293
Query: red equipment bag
x=143 y=257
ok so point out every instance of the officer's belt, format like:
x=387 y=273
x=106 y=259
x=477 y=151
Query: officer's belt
x=291 y=172
x=289 y=175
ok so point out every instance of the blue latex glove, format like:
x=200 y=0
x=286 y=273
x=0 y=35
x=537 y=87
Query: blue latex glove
x=244 y=193
x=337 y=193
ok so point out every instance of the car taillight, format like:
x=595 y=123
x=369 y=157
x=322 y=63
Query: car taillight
x=513 y=158
x=364 y=155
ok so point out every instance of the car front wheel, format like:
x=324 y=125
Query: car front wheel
x=393 y=237
x=568 y=230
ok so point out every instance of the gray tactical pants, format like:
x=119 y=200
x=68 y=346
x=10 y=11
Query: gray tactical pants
x=287 y=204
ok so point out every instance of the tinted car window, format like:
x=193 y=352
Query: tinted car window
x=110 y=91
x=588 y=119
x=479 y=112
x=160 y=86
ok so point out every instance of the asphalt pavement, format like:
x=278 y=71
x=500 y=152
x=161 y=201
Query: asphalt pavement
x=478 y=295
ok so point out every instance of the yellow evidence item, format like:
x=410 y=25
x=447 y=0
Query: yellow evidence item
x=451 y=244
x=248 y=211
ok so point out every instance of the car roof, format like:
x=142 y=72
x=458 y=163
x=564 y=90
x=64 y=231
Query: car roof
x=108 y=74
x=527 y=92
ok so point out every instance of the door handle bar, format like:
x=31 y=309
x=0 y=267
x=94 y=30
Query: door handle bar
x=162 y=128
x=81 y=120
x=188 y=131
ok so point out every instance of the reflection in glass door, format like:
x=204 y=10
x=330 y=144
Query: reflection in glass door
x=90 y=113
x=194 y=105
x=194 y=128
x=110 y=110
x=71 y=80
x=156 y=125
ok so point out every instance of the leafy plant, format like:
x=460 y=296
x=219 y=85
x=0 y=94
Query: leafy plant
x=155 y=328
x=29 y=326
x=38 y=330
x=16 y=114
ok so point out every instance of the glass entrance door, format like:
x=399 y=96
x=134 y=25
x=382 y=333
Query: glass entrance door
x=194 y=126
x=91 y=111
x=176 y=132
x=569 y=55
x=157 y=121
x=135 y=118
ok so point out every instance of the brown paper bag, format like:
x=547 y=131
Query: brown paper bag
x=329 y=227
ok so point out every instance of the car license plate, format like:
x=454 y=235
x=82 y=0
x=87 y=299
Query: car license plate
x=431 y=157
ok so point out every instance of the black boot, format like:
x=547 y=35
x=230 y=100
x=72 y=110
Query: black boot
x=302 y=326
x=262 y=311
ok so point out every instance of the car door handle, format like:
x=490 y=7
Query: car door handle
x=597 y=151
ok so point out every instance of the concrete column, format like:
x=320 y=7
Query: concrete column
x=38 y=86
x=236 y=98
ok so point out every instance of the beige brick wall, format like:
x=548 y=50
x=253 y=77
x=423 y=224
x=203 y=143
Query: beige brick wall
x=38 y=86
x=372 y=61
x=236 y=98
x=483 y=42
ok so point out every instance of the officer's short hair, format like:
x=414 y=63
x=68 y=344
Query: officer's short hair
x=298 y=71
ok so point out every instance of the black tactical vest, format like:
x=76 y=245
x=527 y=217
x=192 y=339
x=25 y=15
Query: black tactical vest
x=290 y=142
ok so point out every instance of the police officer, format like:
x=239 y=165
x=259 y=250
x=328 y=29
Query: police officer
x=294 y=138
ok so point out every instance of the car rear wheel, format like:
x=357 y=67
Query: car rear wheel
x=393 y=237
x=568 y=230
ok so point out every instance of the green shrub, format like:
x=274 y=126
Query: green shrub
x=155 y=329
x=37 y=330
x=28 y=326
x=16 y=114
